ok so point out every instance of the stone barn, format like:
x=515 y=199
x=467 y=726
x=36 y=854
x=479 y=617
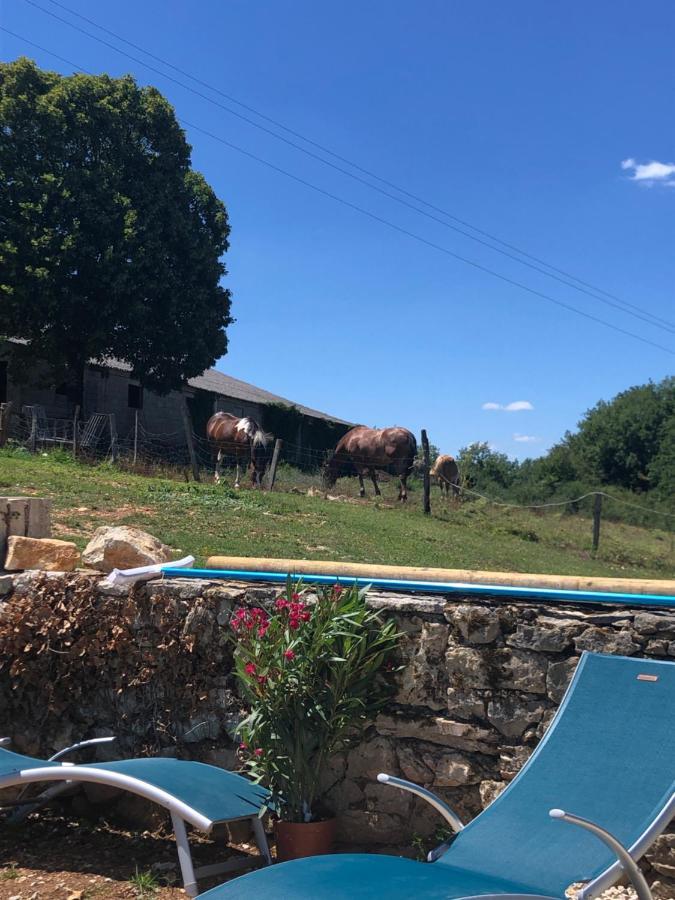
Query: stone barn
x=109 y=389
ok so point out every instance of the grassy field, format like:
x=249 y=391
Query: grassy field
x=205 y=518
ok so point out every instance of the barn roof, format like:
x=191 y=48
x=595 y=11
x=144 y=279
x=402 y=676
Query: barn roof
x=226 y=386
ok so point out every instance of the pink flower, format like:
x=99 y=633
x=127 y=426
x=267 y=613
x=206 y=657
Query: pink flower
x=243 y=746
x=258 y=751
x=262 y=679
x=337 y=590
x=281 y=603
x=249 y=668
x=294 y=624
x=296 y=596
x=289 y=654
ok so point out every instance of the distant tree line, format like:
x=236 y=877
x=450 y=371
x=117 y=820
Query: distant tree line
x=626 y=445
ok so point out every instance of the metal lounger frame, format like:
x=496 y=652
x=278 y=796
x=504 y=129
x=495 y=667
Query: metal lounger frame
x=180 y=814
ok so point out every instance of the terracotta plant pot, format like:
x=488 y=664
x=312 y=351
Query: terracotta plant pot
x=298 y=839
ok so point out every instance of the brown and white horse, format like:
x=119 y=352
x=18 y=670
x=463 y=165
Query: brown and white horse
x=365 y=450
x=446 y=470
x=242 y=438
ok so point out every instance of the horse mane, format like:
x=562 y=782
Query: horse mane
x=257 y=436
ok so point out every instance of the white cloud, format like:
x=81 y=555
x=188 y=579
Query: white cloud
x=525 y=438
x=650 y=173
x=514 y=406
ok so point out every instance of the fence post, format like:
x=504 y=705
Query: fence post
x=427 y=476
x=76 y=436
x=273 y=466
x=32 y=440
x=135 y=435
x=114 y=449
x=187 y=425
x=597 y=512
x=5 y=415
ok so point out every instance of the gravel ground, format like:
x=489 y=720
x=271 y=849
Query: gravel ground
x=54 y=857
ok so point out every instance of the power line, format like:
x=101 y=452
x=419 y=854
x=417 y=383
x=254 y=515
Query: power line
x=581 y=286
x=392 y=225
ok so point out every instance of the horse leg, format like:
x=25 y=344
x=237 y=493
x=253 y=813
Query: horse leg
x=373 y=478
x=403 y=490
x=362 y=487
x=219 y=459
x=237 y=474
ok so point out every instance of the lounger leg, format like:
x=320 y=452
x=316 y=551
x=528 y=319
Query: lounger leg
x=184 y=856
x=261 y=839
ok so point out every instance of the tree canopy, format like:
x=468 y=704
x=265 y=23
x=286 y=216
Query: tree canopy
x=111 y=243
x=627 y=442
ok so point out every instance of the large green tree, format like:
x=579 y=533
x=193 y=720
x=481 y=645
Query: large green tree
x=627 y=441
x=110 y=243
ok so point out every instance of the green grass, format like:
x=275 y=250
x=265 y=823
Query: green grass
x=9 y=873
x=145 y=884
x=203 y=519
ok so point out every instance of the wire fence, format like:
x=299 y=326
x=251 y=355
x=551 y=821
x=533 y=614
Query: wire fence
x=180 y=453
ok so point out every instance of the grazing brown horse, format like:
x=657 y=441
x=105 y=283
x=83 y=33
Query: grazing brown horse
x=242 y=438
x=365 y=450
x=446 y=470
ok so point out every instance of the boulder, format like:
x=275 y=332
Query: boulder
x=124 y=547
x=46 y=554
x=6 y=585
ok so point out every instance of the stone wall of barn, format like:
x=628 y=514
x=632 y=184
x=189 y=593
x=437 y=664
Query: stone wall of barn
x=479 y=684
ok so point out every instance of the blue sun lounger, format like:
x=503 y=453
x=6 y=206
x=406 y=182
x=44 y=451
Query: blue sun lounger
x=201 y=795
x=608 y=756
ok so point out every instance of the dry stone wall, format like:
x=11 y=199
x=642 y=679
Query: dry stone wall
x=479 y=683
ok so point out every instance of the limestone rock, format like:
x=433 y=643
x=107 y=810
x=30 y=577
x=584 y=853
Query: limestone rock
x=466 y=703
x=523 y=670
x=659 y=624
x=547 y=639
x=436 y=768
x=511 y=714
x=490 y=790
x=422 y=680
x=476 y=624
x=439 y=730
x=124 y=547
x=661 y=855
x=598 y=640
x=46 y=554
x=6 y=585
x=467 y=668
x=365 y=826
x=512 y=760
x=559 y=676
x=370 y=758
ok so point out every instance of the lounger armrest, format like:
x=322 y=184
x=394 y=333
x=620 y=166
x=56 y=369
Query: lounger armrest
x=448 y=814
x=79 y=745
x=628 y=864
x=5 y=741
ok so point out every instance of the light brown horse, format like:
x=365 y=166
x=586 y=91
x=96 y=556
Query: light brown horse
x=242 y=438
x=446 y=470
x=365 y=450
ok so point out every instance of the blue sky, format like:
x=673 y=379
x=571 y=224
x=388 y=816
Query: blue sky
x=514 y=117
